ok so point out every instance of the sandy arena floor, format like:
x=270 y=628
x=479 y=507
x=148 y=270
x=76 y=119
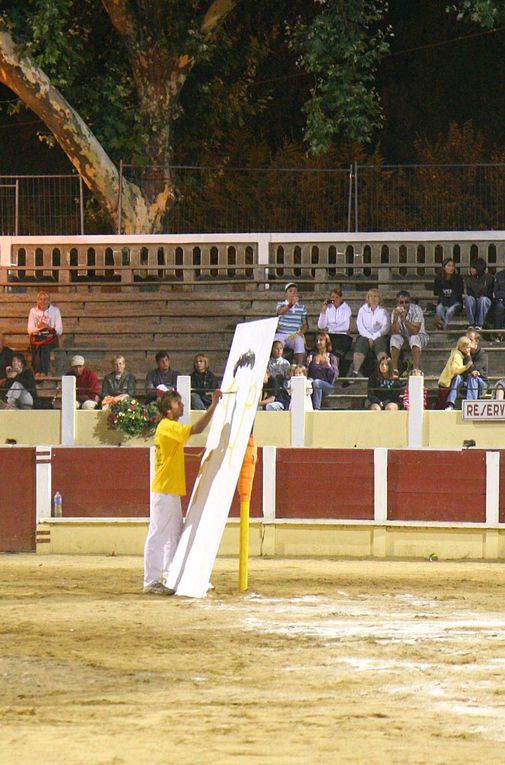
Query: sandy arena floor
x=320 y=662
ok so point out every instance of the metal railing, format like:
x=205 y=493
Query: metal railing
x=358 y=198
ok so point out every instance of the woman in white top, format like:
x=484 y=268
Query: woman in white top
x=335 y=318
x=373 y=327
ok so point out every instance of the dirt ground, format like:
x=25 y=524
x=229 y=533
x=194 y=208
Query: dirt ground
x=320 y=662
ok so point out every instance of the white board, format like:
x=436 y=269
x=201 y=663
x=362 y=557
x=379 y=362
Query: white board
x=217 y=478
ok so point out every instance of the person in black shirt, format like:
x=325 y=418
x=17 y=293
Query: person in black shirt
x=449 y=289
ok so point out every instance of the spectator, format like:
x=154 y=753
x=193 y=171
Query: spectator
x=292 y=323
x=384 y=387
x=117 y=385
x=161 y=379
x=406 y=401
x=474 y=381
x=499 y=304
x=20 y=385
x=273 y=398
x=278 y=366
x=459 y=362
x=44 y=329
x=87 y=387
x=407 y=327
x=335 y=319
x=297 y=370
x=479 y=291
x=448 y=288
x=203 y=383
x=373 y=327
x=6 y=355
x=322 y=368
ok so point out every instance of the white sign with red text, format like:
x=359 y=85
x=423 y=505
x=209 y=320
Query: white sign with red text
x=483 y=410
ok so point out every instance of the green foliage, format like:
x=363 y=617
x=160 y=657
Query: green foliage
x=342 y=47
x=487 y=13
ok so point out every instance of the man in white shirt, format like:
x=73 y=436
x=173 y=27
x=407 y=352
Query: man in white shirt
x=44 y=329
x=407 y=328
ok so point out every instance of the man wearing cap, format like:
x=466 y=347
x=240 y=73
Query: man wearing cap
x=292 y=323
x=87 y=388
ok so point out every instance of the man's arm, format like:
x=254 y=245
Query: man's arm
x=204 y=420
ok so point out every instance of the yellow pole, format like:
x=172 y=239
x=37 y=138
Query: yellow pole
x=244 y=486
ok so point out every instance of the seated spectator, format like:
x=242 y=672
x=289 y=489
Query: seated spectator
x=87 y=387
x=499 y=304
x=459 y=362
x=44 y=329
x=407 y=328
x=373 y=327
x=406 y=401
x=292 y=323
x=384 y=387
x=322 y=368
x=479 y=291
x=273 y=397
x=499 y=390
x=6 y=355
x=474 y=382
x=19 y=385
x=278 y=366
x=117 y=385
x=297 y=370
x=335 y=319
x=161 y=379
x=203 y=383
x=448 y=288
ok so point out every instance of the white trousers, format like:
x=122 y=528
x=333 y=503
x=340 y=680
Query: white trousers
x=163 y=534
x=18 y=396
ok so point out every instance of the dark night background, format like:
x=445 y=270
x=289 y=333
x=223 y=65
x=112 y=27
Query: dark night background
x=422 y=91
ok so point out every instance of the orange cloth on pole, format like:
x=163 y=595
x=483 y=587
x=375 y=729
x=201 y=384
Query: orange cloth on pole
x=246 y=477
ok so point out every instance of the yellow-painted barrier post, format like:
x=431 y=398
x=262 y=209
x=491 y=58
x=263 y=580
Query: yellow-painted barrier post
x=244 y=486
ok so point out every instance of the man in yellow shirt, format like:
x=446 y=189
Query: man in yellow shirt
x=169 y=484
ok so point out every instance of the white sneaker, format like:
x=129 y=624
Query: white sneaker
x=449 y=408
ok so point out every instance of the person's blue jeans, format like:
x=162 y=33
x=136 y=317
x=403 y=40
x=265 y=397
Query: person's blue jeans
x=446 y=312
x=476 y=310
x=499 y=314
x=474 y=387
x=318 y=388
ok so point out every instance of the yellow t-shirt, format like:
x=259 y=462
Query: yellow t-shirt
x=169 y=476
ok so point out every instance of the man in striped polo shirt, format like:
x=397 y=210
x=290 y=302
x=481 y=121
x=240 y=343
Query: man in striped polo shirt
x=292 y=323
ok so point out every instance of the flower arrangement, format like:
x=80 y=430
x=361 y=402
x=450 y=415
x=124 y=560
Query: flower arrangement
x=133 y=418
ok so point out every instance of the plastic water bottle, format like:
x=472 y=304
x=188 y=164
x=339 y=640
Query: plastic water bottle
x=57 y=509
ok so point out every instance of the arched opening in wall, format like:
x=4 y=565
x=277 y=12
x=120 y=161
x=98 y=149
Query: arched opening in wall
x=39 y=262
x=384 y=254
x=314 y=259
x=279 y=261
x=55 y=262
x=439 y=255
x=349 y=258
x=90 y=262
x=214 y=260
x=332 y=261
x=73 y=262
x=402 y=258
x=125 y=256
x=21 y=261
x=420 y=258
x=160 y=257
x=367 y=260
x=297 y=261
x=456 y=254
x=231 y=257
x=197 y=261
x=474 y=253
x=179 y=261
x=109 y=261
x=491 y=258
x=249 y=260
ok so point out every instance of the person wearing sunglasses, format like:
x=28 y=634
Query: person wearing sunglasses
x=407 y=329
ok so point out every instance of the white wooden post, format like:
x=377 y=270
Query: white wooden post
x=269 y=480
x=298 y=388
x=68 y=410
x=492 y=487
x=380 y=458
x=416 y=412
x=43 y=482
x=184 y=389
